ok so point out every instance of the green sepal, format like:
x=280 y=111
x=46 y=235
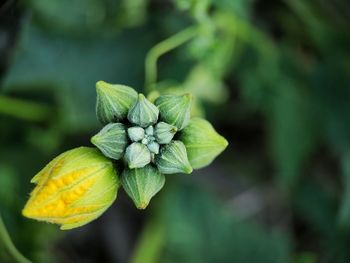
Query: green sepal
x=143 y=112
x=137 y=155
x=136 y=133
x=142 y=184
x=174 y=109
x=113 y=101
x=111 y=140
x=173 y=159
x=149 y=130
x=164 y=132
x=153 y=147
x=203 y=143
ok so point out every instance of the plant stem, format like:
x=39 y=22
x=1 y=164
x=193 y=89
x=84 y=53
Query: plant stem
x=162 y=48
x=22 y=109
x=5 y=237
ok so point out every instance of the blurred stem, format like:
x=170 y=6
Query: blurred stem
x=22 y=109
x=160 y=49
x=5 y=237
x=150 y=244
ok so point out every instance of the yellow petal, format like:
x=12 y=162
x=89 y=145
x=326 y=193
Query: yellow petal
x=73 y=189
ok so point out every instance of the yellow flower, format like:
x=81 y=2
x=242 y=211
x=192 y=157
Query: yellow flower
x=73 y=189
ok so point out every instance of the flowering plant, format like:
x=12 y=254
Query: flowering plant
x=140 y=143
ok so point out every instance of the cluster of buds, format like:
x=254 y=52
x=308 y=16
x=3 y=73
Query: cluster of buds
x=145 y=140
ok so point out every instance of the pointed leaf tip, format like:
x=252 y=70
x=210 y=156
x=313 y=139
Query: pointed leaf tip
x=113 y=101
x=203 y=143
x=142 y=184
x=143 y=113
x=111 y=140
x=175 y=109
x=173 y=159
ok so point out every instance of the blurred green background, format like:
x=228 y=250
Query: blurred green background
x=272 y=76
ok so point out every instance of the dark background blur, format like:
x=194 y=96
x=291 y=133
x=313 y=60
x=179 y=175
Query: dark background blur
x=272 y=76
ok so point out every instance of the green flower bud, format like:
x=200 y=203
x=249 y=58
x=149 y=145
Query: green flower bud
x=164 y=132
x=113 y=101
x=143 y=112
x=149 y=131
x=73 y=189
x=142 y=184
x=173 y=159
x=202 y=142
x=137 y=155
x=153 y=147
x=111 y=140
x=175 y=110
x=136 y=133
x=145 y=141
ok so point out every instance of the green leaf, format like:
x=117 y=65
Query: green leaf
x=185 y=210
x=294 y=130
x=9 y=185
x=113 y=101
x=203 y=143
x=202 y=83
x=63 y=69
x=141 y=184
x=175 y=110
x=143 y=112
x=316 y=205
x=111 y=140
x=173 y=159
x=75 y=17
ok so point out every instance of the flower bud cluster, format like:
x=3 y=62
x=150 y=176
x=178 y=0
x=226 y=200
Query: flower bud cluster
x=144 y=134
x=147 y=140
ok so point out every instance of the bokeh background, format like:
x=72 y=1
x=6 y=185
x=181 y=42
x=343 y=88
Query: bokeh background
x=272 y=76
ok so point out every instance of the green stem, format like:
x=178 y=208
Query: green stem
x=22 y=109
x=5 y=237
x=162 y=48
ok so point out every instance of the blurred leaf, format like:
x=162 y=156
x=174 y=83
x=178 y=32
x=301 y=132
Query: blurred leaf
x=330 y=85
x=293 y=132
x=274 y=86
x=9 y=186
x=306 y=257
x=241 y=7
x=80 y=17
x=316 y=206
x=70 y=15
x=205 y=86
x=344 y=213
x=318 y=29
x=68 y=68
x=199 y=229
x=50 y=138
x=133 y=12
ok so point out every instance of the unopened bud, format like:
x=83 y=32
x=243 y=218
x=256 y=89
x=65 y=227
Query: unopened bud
x=73 y=189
